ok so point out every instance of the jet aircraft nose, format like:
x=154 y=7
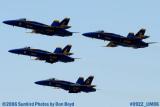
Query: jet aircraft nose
x=13 y=51
x=6 y=22
x=38 y=82
x=88 y=34
x=10 y=22
x=46 y=83
x=85 y=34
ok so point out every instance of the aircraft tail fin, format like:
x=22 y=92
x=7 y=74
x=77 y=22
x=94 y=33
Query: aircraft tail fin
x=58 y=50
x=66 y=50
x=139 y=35
x=64 y=22
x=89 y=80
x=80 y=81
x=141 y=32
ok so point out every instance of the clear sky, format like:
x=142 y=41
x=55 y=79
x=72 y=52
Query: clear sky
x=122 y=75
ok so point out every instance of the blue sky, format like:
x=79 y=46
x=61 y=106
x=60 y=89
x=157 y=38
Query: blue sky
x=121 y=74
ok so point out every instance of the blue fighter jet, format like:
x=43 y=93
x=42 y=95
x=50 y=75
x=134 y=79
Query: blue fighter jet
x=132 y=40
x=80 y=85
x=62 y=55
x=56 y=28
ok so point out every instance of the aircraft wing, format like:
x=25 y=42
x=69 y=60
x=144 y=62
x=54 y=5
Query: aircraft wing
x=72 y=88
x=79 y=88
x=75 y=89
x=50 y=58
x=111 y=44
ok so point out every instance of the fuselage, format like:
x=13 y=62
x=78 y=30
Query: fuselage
x=66 y=85
x=117 y=39
x=43 y=55
x=40 y=27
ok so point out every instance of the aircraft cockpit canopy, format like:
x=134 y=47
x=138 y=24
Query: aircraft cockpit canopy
x=52 y=79
x=27 y=47
x=23 y=19
x=100 y=31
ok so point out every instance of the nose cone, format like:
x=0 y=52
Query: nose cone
x=38 y=82
x=45 y=83
x=13 y=51
x=17 y=51
x=6 y=22
x=88 y=34
x=85 y=34
x=10 y=22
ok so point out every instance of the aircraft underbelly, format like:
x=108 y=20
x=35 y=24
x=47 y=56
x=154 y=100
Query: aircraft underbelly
x=128 y=43
x=25 y=25
x=44 y=31
x=35 y=54
x=62 y=86
x=108 y=38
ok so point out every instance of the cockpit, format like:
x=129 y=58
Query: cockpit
x=100 y=31
x=22 y=19
x=51 y=79
x=27 y=47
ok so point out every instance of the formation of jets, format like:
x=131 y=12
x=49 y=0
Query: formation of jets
x=79 y=86
x=59 y=28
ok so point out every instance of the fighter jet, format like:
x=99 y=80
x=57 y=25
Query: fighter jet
x=132 y=40
x=79 y=86
x=62 y=55
x=56 y=28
